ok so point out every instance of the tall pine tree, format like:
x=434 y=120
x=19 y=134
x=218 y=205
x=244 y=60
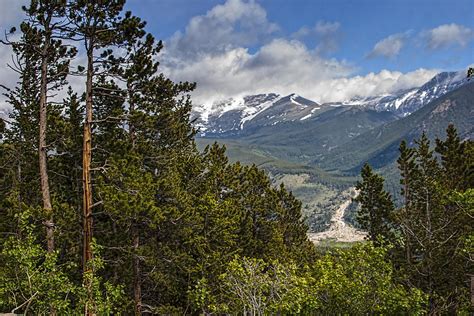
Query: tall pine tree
x=376 y=208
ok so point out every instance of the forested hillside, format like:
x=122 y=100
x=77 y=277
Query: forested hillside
x=108 y=207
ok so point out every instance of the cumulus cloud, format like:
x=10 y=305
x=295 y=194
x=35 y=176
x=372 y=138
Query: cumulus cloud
x=287 y=66
x=212 y=51
x=448 y=34
x=390 y=46
x=383 y=82
x=233 y=24
x=280 y=66
x=326 y=33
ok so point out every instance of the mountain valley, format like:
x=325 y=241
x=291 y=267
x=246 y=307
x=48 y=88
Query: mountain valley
x=317 y=150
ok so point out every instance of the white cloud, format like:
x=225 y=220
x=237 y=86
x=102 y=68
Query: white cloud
x=212 y=51
x=383 y=82
x=284 y=66
x=325 y=28
x=390 y=46
x=326 y=33
x=233 y=24
x=448 y=34
x=280 y=66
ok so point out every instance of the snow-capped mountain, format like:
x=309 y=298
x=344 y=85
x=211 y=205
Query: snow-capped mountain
x=233 y=115
x=239 y=115
x=408 y=101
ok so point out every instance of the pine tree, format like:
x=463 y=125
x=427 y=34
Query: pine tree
x=376 y=208
x=432 y=227
x=407 y=167
x=427 y=205
x=99 y=25
x=141 y=131
x=167 y=218
x=454 y=160
x=54 y=57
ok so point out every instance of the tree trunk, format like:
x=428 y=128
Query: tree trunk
x=87 y=185
x=131 y=109
x=137 y=281
x=42 y=149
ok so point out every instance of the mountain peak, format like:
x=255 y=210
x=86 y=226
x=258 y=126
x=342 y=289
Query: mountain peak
x=298 y=100
x=232 y=115
x=407 y=101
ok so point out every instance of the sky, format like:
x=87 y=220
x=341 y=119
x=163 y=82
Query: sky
x=325 y=50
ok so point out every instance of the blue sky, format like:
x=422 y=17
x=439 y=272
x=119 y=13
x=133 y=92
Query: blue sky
x=362 y=24
x=326 y=50
x=353 y=48
x=365 y=22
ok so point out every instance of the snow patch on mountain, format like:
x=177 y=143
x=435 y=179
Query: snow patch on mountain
x=245 y=113
x=306 y=117
x=253 y=112
x=245 y=108
x=293 y=98
x=408 y=101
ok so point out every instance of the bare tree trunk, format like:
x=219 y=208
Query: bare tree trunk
x=42 y=149
x=131 y=109
x=87 y=185
x=137 y=281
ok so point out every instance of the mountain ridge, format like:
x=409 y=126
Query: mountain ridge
x=237 y=116
x=379 y=146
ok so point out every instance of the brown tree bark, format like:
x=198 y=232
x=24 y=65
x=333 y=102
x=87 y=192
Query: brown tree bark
x=137 y=281
x=87 y=185
x=42 y=147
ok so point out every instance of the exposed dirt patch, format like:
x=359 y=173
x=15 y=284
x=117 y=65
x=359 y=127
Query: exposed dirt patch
x=340 y=230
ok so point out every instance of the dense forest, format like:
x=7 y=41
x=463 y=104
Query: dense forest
x=108 y=207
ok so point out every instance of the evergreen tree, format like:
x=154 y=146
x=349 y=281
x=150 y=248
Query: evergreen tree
x=376 y=208
x=407 y=168
x=431 y=226
x=100 y=26
x=44 y=20
x=455 y=160
x=181 y=231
